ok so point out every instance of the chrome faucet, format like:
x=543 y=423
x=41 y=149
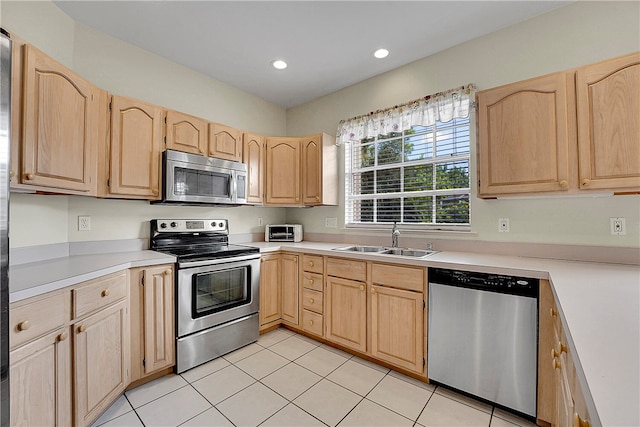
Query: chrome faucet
x=394 y=235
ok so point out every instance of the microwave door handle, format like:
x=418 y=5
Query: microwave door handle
x=232 y=187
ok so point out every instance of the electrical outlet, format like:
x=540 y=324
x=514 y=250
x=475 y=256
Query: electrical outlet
x=260 y=221
x=618 y=226
x=84 y=223
x=503 y=225
x=331 y=222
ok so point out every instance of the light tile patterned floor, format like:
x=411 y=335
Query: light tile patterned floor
x=287 y=379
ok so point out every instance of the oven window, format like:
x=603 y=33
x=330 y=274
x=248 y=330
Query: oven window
x=193 y=182
x=220 y=290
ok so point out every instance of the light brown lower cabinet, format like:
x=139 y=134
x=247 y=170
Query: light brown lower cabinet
x=40 y=376
x=101 y=361
x=397 y=327
x=346 y=312
x=290 y=288
x=270 y=290
x=152 y=320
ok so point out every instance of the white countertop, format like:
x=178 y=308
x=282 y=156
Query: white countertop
x=599 y=307
x=31 y=279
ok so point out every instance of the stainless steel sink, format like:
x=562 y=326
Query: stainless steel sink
x=416 y=253
x=360 y=248
x=383 y=250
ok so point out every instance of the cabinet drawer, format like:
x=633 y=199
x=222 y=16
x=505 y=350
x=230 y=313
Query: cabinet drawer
x=99 y=293
x=312 y=281
x=312 y=322
x=312 y=300
x=35 y=318
x=312 y=263
x=347 y=268
x=398 y=277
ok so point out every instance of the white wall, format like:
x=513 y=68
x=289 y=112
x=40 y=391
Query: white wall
x=578 y=34
x=127 y=70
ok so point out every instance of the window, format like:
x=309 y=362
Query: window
x=419 y=176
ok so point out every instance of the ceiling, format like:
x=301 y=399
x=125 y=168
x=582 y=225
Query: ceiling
x=328 y=44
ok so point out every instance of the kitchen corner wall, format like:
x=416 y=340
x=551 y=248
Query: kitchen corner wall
x=578 y=34
x=124 y=69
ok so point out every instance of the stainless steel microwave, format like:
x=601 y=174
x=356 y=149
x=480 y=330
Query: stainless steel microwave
x=192 y=179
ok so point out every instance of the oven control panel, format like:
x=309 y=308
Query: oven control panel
x=192 y=225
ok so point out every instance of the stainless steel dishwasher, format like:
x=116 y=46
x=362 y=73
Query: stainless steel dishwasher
x=483 y=335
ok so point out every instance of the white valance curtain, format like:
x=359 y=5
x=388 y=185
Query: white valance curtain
x=425 y=111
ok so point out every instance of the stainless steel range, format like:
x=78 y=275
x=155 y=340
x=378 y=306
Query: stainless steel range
x=217 y=288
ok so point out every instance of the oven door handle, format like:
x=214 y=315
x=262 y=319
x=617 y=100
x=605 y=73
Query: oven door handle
x=218 y=261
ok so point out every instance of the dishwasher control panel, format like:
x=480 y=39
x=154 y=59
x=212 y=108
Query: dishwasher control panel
x=515 y=285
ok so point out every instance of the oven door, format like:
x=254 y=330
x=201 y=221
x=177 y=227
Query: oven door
x=218 y=292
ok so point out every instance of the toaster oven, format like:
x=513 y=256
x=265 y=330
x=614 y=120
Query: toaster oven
x=283 y=233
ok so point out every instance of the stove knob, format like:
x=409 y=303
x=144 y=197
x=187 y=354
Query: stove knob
x=174 y=224
x=163 y=225
x=213 y=224
x=221 y=224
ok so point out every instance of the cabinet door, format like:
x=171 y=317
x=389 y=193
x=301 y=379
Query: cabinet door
x=60 y=121
x=253 y=157
x=608 y=95
x=290 y=288
x=283 y=171
x=136 y=146
x=40 y=376
x=524 y=136
x=101 y=350
x=346 y=313
x=16 y=110
x=270 y=297
x=312 y=167
x=546 y=342
x=397 y=327
x=225 y=142
x=159 y=338
x=186 y=133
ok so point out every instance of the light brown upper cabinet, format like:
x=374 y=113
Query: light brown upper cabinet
x=282 y=178
x=135 y=149
x=225 y=142
x=608 y=96
x=301 y=171
x=564 y=132
x=59 y=134
x=524 y=136
x=320 y=170
x=16 y=110
x=253 y=156
x=185 y=133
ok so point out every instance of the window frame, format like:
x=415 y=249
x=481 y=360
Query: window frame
x=402 y=195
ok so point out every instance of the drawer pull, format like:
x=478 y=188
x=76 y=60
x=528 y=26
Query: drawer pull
x=362 y=287
x=24 y=325
x=63 y=336
x=373 y=290
x=553 y=312
x=155 y=191
x=29 y=176
x=579 y=422
x=311 y=264
x=562 y=348
x=311 y=281
x=564 y=183
x=556 y=364
x=105 y=293
x=554 y=353
x=586 y=182
x=310 y=322
x=311 y=301
x=82 y=328
x=168 y=271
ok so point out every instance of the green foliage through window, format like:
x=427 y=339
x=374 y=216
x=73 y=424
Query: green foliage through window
x=420 y=176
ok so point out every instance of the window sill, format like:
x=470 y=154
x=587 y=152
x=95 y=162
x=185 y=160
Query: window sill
x=444 y=231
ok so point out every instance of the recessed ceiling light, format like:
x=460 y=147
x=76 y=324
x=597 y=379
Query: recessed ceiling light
x=279 y=64
x=381 y=53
